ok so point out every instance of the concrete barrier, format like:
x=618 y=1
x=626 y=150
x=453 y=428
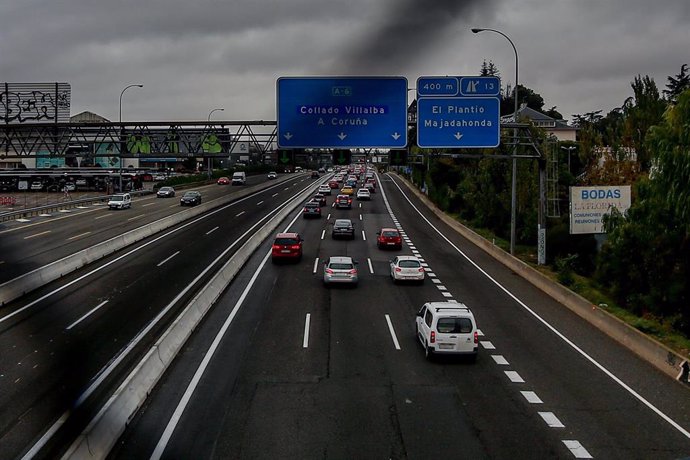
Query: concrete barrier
x=35 y=279
x=649 y=349
x=101 y=434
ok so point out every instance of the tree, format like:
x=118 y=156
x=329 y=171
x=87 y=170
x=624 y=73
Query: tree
x=525 y=96
x=489 y=70
x=553 y=113
x=677 y=84
x=642 y=111
x=646 y=259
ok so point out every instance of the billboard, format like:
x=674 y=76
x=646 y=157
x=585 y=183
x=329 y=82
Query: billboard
x=588 y=206
x=34 y=102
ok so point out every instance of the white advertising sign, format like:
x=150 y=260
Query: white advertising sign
x=588 y=205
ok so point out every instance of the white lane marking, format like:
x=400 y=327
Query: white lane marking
x=570 y=343
x=500 y=360
x=164 y=261
x=36 y=234
x=430 y=274
x=44 y=215
x=260 y=202
x=23 y=220
x=360 y=205
x=238 y=215
x=65 y=211
x=514 y=377
x=360 y=217
x=411 y=247
x=455 y=301
x=441 y=288
x=480 y=333
x=86 y=315
x=323 y=233
x=446 y=294
x=392 y=331
x=316 y=265
x=212 y=230
x=436 y=281
x=136 y=217
x=147 y=204
x=286 y=188
x=532 y=397
x=424 y=264
x=274 y=195
x=328 y=217
x=305 y=341
x=77 y=236
x=576 y=448
x=427 y=269
x=487 y=345
x=364 y=236
x=551 y=420
x=371 y=268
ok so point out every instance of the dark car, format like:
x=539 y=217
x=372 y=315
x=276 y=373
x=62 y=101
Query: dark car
x=165 y=192
x=287 y=246
x=311 y=209
x=343 y=201
x=343 y=228
x=389 y=238
x=314 y=174
x=191 y=198
x=320 y=198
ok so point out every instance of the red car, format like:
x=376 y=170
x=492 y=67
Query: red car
x=388 y=238
x=287 y=246
x=223 y=181
x=333 y=184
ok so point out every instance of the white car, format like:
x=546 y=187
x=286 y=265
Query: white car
x=325 y=189
x=447 y=328
x=120 y=201
x=272 y=175
x=406 y=268
x=363 y=194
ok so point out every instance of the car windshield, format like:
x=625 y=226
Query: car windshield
x=311 y=204
x=390 y=233
x=454 y=325
x=286 y=241
x=340 y=266
x=342 y=223
x=117 y=198
x=408 y=264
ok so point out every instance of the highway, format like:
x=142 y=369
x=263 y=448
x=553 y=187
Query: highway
x=32 y=242
x=284 y=367
x=67 y=345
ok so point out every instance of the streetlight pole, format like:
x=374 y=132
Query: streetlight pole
x=568 y=149
x=220 y=109
x=513 y=199
x=122 y=144
x=210 y=168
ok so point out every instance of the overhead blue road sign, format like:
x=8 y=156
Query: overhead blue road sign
x=342 y=112
x=458 y=112
x=458 y=122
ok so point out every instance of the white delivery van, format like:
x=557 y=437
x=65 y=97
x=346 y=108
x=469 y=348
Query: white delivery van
x=239 y=178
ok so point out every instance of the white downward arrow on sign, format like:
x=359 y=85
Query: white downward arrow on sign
x=396 y=136
x=458 y=135
x=287 y=136
x=342 y=136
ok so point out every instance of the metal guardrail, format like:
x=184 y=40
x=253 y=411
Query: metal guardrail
x=52 y=207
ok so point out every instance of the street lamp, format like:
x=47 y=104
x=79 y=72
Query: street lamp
x=515 y=119
x=568 y=149
x=214 y=110
x=121 y=130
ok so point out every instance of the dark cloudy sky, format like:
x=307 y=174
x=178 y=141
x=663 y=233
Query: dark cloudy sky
x=196 y=55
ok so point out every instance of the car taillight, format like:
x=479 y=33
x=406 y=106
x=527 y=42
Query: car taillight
x=294 y=246
x=398 y=269
x=476 y=337
x=305 y=209
x=421 y=269
x=318 y=209
x=329 y=271
x=432 y=339
x=353 y=271
x=275 y=247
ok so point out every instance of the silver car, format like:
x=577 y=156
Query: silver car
x=340 y=270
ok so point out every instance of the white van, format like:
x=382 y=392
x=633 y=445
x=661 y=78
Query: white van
x=447 y=328
x=120 y=201
x=239 y=178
